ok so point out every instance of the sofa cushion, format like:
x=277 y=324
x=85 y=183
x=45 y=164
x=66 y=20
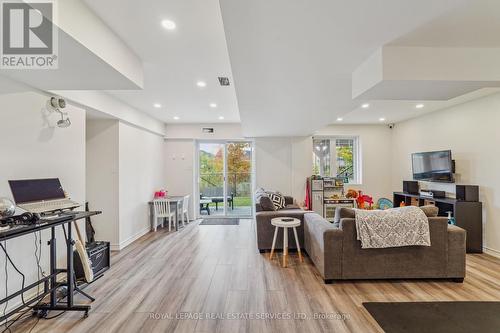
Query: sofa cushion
x=277 y=199
x=343 y=213
x=430 y=210
x=263 y=201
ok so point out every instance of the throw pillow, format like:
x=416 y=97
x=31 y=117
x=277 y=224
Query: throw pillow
x=266 y=203
x=262 y=199
x=342 y=213
x=277 y=199
x=430 y=210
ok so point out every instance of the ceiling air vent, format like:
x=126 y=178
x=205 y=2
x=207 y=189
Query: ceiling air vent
x=209 y=130
x=224 y=81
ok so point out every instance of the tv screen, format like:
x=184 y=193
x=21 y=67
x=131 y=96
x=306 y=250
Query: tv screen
x=435 y=166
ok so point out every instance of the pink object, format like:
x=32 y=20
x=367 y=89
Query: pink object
x=160 y=194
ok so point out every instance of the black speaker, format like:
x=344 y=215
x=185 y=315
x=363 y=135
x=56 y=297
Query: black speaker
x=411 y=186
x=100 y=256
x=467 y=192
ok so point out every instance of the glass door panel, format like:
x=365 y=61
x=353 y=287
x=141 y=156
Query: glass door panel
x=211 y=180
x=239 y=178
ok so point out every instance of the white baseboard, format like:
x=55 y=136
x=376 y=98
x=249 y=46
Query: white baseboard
x=492 y=252
x=130 y=240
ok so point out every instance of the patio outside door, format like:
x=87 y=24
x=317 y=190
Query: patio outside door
x=225 y=178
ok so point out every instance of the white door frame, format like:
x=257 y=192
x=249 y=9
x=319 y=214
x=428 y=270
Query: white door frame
x=196 y=175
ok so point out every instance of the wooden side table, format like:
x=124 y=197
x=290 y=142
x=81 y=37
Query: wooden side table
x=285 y=223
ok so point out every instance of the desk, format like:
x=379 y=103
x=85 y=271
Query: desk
x=50 y=282
x=176 y=201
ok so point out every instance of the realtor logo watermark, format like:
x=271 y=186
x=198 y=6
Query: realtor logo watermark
x=28 y=37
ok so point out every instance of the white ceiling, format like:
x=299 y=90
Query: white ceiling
x=476 y=24
x=292 y=60
x=396 y=111
x=175 y=60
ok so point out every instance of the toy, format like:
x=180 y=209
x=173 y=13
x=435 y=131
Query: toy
x=364 y=199
x=384 y=203
x=351 y=194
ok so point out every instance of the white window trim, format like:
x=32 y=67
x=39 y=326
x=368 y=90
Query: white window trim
x=358 y=161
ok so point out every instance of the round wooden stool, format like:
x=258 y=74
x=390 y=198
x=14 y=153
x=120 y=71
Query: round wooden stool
x=285 y=223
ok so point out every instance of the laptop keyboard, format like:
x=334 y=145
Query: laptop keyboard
x=47 y=206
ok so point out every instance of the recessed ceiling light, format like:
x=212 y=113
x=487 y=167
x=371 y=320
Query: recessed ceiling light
x=381 y=119
x=168 y=24
x=213 y=105
x=201 y=84
x=157 y=105
x=221 y=118
x=419 y=106
x=176 y=118
x=365 y=106
x=340 y=119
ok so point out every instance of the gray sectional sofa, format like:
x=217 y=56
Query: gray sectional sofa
x=337 y=254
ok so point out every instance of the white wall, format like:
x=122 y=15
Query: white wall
x=102 y=178
x=31 y=147
x=471 y=131
x=125 y=166
x=283 y=164
x=179 y=174
x=141 y=172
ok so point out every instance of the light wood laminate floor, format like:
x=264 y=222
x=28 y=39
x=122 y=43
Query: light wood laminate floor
x=217 y=270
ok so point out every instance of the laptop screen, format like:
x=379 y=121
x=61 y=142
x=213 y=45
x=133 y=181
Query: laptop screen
x=32 y=190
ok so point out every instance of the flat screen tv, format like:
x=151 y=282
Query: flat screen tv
x=434 y=166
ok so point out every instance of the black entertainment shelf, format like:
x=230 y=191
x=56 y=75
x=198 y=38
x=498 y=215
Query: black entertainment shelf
x=468 y=215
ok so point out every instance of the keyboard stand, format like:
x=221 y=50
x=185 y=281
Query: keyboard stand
x=50 y=282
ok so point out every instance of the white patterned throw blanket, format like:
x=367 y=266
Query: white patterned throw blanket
x=405 y=226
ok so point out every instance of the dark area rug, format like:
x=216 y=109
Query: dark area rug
x=221 y=221
x=442 y=317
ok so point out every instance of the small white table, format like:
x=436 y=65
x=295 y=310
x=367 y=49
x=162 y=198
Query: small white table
x=285 y=223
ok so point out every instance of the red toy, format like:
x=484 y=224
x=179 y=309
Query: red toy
x=364 y=199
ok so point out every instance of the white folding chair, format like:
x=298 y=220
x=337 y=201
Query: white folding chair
x=162 y=210
x=185 y=210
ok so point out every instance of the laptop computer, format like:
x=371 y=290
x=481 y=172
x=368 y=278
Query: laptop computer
x=40 y=196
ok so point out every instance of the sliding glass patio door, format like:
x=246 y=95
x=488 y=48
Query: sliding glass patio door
x=225 y=178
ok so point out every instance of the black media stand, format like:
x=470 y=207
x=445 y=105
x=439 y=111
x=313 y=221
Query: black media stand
x=468 y=215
